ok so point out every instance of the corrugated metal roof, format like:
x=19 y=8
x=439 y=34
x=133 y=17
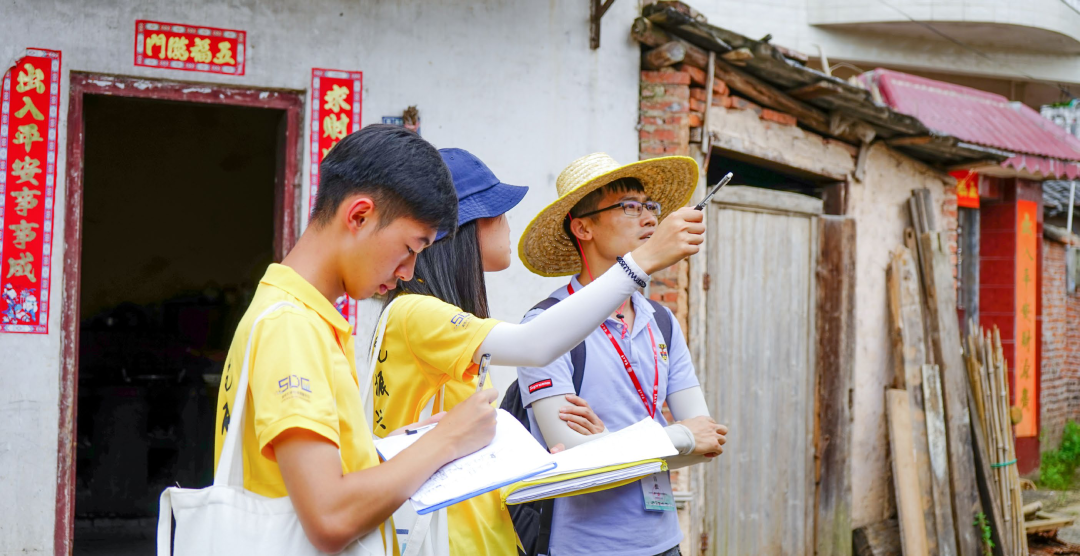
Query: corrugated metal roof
x=1041 y=166
x=1056 y=197
x=974 y=116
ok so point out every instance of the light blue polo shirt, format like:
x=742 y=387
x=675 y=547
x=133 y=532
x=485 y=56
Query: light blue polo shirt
x=613 y=522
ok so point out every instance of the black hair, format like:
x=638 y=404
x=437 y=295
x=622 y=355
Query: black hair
x=591 y=202
x=452 y=269
x=402 y=172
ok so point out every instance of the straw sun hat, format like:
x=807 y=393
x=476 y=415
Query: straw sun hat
x=546 y=250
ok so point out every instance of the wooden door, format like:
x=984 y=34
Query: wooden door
x=759 y=376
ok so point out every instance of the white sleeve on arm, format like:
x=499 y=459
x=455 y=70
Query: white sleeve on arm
x=554 y=429
x=557 y=330
x=685 y=404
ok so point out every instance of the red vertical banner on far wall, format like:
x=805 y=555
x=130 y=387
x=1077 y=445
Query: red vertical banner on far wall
x=335 y=113
x=28 y=129
x=1024 y=374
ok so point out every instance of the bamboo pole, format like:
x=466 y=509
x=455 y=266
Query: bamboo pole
x=988 y=373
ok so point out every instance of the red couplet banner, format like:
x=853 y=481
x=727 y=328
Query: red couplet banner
x=335 y=113
x=189 y=47
x=1025 y=395
x=28 y=130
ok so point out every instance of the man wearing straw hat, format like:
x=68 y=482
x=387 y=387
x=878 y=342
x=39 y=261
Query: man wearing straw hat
x=630 y=369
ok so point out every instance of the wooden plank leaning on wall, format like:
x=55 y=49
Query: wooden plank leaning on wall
x=905 y=475
x=945 y=338
x=834 y=369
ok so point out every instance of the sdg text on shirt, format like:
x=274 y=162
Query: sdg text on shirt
x=461 y=320
x=293 y=387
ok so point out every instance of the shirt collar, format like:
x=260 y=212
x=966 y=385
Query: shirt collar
x=575 y=283
x=288 y=280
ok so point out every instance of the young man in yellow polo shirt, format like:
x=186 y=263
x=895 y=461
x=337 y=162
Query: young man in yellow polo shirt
x=384 y=194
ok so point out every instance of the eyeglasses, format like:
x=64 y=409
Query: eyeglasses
x=630 y=208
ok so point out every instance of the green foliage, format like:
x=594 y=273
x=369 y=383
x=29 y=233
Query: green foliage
x=1057 y=470
x=984 y=534
x=1070 y=441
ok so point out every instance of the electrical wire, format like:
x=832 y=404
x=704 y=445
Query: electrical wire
x=974 y=50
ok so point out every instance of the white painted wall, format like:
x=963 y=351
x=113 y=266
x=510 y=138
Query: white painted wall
x=789 y=21
x=1050 y=24
x=879 y=205
x=514 y=82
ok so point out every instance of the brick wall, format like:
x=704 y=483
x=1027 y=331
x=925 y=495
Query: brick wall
x=672 y=114
x=999 y=228
x=950 y=220
x=1060 y=395
x=664 y=130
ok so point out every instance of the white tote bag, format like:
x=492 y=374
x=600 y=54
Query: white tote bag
x=224 y=519
x=420 y=535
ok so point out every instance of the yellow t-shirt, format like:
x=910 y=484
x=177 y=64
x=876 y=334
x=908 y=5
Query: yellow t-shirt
x=429 y=343
x=302 y=374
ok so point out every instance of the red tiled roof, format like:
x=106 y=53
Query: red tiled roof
x=977 y=117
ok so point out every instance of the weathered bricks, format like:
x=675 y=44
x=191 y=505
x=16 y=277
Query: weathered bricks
x=665 y=77
x=739 y=103
x=1059 y=392
x=665 y=119
x=699 y=77
x=778 y=117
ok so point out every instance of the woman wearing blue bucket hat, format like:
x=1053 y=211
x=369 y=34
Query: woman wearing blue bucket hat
x=436 y=327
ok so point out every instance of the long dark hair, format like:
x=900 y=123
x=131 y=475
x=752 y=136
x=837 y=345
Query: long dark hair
x=452 y=269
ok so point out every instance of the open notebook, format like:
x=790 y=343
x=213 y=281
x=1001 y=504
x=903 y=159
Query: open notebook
x=614 y=460
x=513 y=455
x=515 y=460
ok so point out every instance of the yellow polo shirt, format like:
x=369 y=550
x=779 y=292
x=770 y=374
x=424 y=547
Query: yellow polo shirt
x=429 y=343
x=302 y=374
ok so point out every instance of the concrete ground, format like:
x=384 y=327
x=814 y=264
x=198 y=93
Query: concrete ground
x=1063 y=502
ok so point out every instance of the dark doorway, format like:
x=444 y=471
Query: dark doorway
x=758 y=172
x=178 y=225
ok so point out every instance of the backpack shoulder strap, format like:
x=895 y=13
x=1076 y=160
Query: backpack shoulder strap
x=577 y=359
x=545 y=304
x=663 y=320
x=577 y=355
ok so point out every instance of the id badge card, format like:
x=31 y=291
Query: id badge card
x=656 y=489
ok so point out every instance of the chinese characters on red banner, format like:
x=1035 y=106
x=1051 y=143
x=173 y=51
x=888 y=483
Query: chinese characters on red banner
x=967 y=188
x=28 y=128
x=1025 y=371
x=189 y=47
x=335 y=113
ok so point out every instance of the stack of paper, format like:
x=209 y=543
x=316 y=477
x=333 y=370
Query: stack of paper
x=515 y=460
x=513 y=455
x=606 y=462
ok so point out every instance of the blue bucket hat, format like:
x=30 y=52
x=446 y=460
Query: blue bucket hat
x=480 y=194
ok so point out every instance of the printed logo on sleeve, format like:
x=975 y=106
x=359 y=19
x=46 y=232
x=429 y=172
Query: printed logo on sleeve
x=294 y=386
x=546 y=383
x=461 y=320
